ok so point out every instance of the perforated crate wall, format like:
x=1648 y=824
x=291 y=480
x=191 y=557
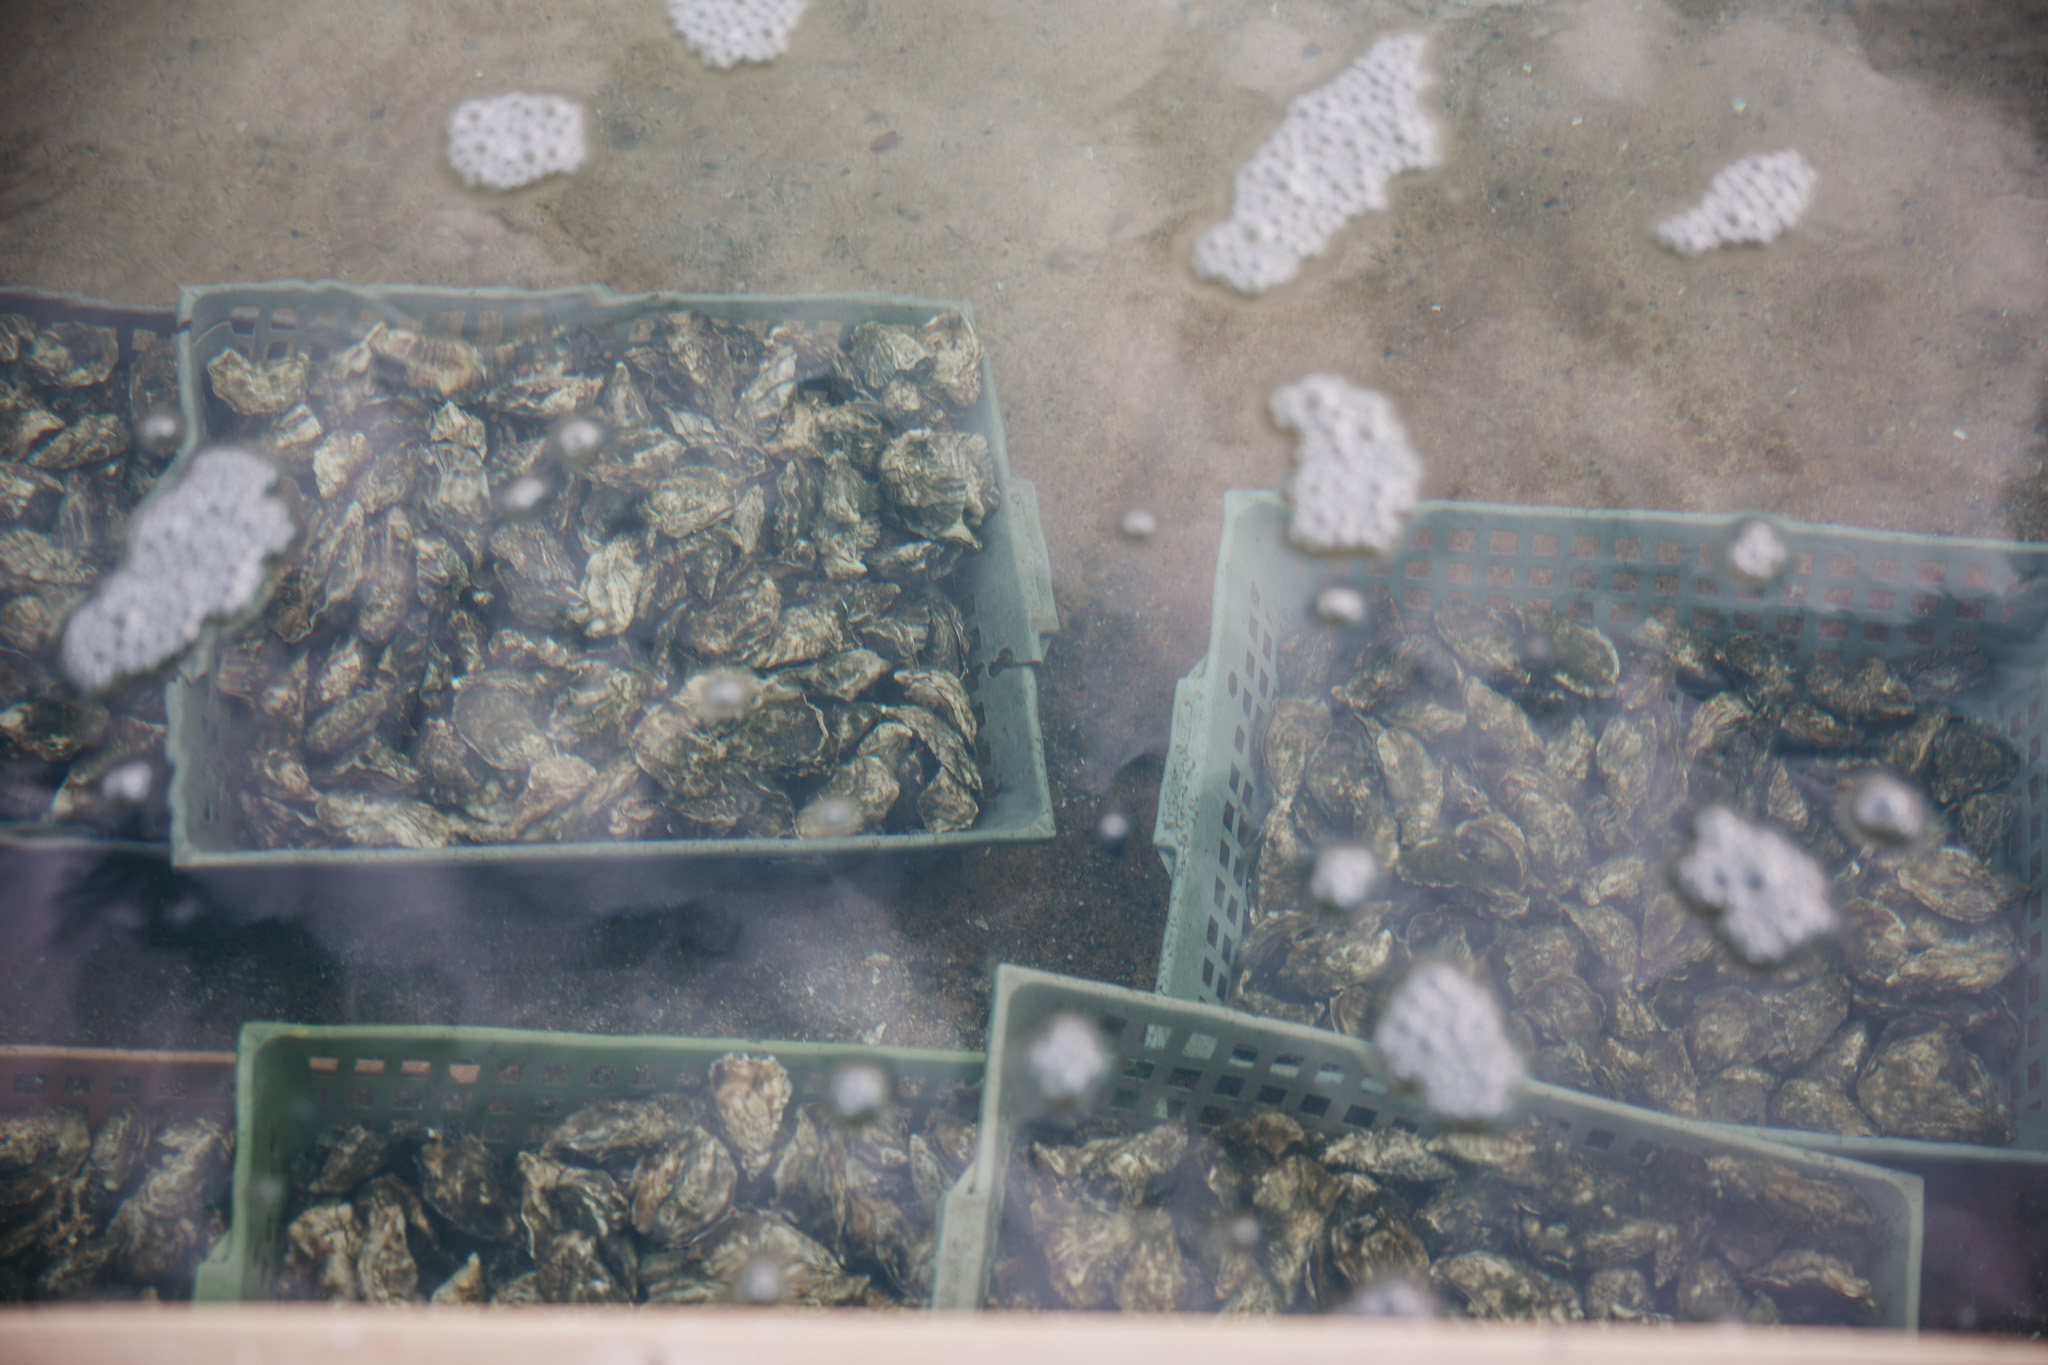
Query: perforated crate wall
x=509 y=1087
x=178 y=1084
x=1847 y=595
x=1169 y=1059
x=1006 y=589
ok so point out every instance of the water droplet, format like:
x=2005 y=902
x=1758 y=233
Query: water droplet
x=1067 y=1059
x=1442 y=1032
x=1394 y=1297
x=1246 y=1232
x=1113 y=829
x=1340 y=604
x=160 y=432
x=1344 y=876
x=575 y=441
x=1880 y=808
x=1755 y=553
x=832 y=817
x=1138 y=524
x=128 y=784
x=523 y=494
x=859 y=1092
x=760 y=1283
x=719 y=694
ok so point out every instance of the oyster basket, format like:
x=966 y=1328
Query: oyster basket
x=1852 y=594
x=510 y=1087
x=134 y=328
x=94 y=1080
x=1171 y=1059
x=1007 y=588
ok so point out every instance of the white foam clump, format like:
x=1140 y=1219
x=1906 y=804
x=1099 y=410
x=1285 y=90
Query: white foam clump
x=506 y=141
x=1771 y=896
x=1356 y=478
x=1753 y=201
x=1756 y=554
x=1443 y=1033
x=727 y=32
x=1329 y=161
x=1066 y=1060
x=195 y=552
x=1344 y=876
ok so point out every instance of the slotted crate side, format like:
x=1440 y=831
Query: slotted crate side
x=1849 y=594
x=1174 y=1059
x=134 y=330
x=1008 y=586
x=96 y=1079
x=507 y=1086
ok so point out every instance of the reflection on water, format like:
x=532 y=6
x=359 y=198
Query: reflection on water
x=640 y=623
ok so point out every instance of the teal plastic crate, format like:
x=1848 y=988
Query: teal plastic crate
x=1169 y=1058
x=509 y=1087
x=1853 y=593
x=1008 y=586
x=135 y=330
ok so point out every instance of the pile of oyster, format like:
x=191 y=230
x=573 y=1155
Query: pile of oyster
x=129 y=1210
x=1527 y=782
x=1259 y=1216
x=678 y=578
x=726 y=1193
x=71 y=473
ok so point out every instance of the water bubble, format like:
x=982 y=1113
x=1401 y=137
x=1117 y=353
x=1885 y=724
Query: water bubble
x=1138 y=524
x=575 y=441
x=719 y=694
x=831 y=817
x=1755 y=553
x=759 y=1283
x=1880 y=808
x=858 y=1092
x=1246 y=1231
x=160 y=432
x=523 y=494
x=1769 y=894
x=1397 y=1296
x=1340 y=604
x=1344 y=876
x=129 y=783
x=1113 y=829
x=1066 y=1060
x=1443 y=1033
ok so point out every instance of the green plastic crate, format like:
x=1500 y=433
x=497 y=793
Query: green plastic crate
x=1168 y=1058
x=1008 y=585
x=508 y=1086
x=132 y=327
x=1851 y=592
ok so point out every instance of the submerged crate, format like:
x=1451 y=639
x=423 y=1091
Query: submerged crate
x=1206 y=1064
x=1851 y=594
x=161 y=1087
x=1006 y=589
x=509 y=1087
x=145 y=363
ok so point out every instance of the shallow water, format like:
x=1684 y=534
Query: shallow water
x=1879 y=366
